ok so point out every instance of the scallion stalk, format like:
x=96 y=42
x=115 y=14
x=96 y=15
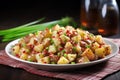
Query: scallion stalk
x=2 y=32
x=20 y=31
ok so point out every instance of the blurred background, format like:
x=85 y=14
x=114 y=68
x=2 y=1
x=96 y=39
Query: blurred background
x=14 y=13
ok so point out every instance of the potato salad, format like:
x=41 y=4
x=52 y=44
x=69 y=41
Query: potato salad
x=61 y=45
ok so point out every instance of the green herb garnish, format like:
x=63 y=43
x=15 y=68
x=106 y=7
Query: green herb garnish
x=65 y=55
x=63 y=51
x=72 y=62
x=47 y=48
x=52 y=62
x=59 y=54
x=20 y=31
x=74 y=48
x=87 y=46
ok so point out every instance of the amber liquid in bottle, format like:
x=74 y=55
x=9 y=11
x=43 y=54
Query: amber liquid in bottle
x=100 y=17
x=108 y=24
x=89 y=15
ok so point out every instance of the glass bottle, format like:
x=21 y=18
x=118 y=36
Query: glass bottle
x=100 y=16
x=108 y=18
x=89 y=14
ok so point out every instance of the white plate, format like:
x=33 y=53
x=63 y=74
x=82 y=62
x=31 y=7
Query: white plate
x=56 y=67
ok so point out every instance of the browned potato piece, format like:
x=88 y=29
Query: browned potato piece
x=107 y=49
x=16 y=49
x=99 y=39
x=88 y=52
x=83 y=59
x=68 y=47
x=76 y=38
x=95 y=46
x=63 y=60
x=44 y=60
x=56 y=27
x=31 y=57
x=46 y=42
x=39 y=48
x=24 y=56
x=64 y=38
x=71 y=57
x=78 y=48
x=47 y=33
x=52 y=49
x=100 y=52
x=56 y=41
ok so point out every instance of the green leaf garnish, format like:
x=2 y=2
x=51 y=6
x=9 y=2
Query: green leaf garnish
x=20 y=31
x=72 y=62
x=87 y=46
x=65 y=55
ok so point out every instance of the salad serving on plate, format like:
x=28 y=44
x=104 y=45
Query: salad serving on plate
x=61 y=45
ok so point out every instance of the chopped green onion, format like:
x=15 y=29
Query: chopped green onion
x=47 y=48
x=65 y=34
x=59 y=54
x=20 y=27
x=72 y=62
x=51 y=40
x=23 y=44
x=91 y=34
x=65 y=55
x=74 y=48
x=87 y=46
x=63 y=51
x=52 y=62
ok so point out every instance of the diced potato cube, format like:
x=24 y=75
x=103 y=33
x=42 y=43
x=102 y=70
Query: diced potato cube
x=69 y=28
x=38 y=56
x=88 y=52
x=24 y=51
x=54 y=33
x=39 y=48
x=99 y=39
x=64 y=38
x=95 y=45
x=31 y=34
x=56 y=41
x=39 y=36
x=16 y=49
x=76 y=38
x=100 y=52
x=92 y=37
x=24 y=56
x=31 y=57
x=31 y=41
x=44 y=60
x=54 y=58
x=82 y=33
x=83 y=59
x=52 y=49
x=107 y=49
x=47 y=33
x=68 y=45
x=71 y=57
x=78 y=48
x=63 y=60
x=46 y=42
x=56 y=27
